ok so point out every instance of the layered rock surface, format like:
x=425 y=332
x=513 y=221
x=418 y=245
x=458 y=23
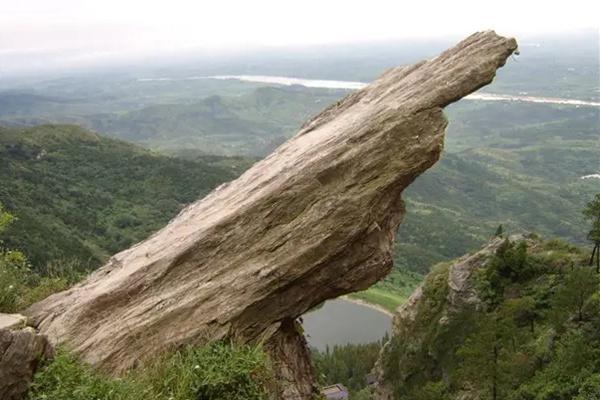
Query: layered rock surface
x=314 y=220
x=21 y=349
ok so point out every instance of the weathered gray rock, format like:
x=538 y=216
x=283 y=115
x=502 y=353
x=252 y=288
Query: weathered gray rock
x=12 y=321
x=314 y=220
x=21 y=349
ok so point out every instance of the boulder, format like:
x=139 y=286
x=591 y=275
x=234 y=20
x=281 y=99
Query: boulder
x=313 y=221
x=12 y=321
x=21 y=350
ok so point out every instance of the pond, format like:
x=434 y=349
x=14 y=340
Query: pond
x=340 y=322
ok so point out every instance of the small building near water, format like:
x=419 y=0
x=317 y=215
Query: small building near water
x=335 y=392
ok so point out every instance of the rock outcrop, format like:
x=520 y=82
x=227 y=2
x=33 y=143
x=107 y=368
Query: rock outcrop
x=427 y=329
x=314 y=220
x=21 y=349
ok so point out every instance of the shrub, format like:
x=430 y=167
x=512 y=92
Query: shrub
x=21 y=287
x=65 y=378
x=14 y=277
x=214 y=372
x=432 y=391
x=509 y=264
x=590 y=389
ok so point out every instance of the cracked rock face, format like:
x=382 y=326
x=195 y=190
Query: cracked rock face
x=314 y=220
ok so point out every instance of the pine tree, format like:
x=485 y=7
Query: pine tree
x=592 y=213
x=499 y=230
x=578 y=286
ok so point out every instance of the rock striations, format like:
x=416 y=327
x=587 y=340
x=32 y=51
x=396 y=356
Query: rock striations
x=314 y=220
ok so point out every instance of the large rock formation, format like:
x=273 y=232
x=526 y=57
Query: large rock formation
x=313 y=221
x=21 y=349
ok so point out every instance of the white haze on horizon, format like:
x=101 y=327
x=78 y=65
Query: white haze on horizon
x=42 y=34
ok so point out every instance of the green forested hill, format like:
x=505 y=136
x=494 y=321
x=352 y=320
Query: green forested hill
x=224 y=117
x=523 y=325
x=252 y=124
x=80 y=195
x=514 y=164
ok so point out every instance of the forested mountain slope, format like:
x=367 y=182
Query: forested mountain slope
x=518 y=320
x=252 y=124
x=514 y=164
x=80 y=195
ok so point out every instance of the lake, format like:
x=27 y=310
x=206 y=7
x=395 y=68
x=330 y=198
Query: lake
x=340 y=322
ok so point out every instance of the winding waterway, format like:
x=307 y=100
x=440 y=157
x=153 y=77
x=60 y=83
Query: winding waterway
x=340 y=322
x=352 y=85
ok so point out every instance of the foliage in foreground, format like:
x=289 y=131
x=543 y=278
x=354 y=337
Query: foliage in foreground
x=20 y=285
x=214 y=372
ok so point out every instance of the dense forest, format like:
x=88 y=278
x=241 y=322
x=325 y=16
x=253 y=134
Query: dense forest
x=350 y=365
x=80 y=195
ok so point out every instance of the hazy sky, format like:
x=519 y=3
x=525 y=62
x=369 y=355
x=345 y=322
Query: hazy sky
x=39 y=33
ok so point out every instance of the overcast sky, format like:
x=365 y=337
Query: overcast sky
x=39 y=33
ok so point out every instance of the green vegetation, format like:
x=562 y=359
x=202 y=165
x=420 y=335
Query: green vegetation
x=249 y=125
x=79 y=195
x=592 y=213
x=218 y=371
x=418 y=350
x=20 y=286
x=516 y=164
x=213 y=372
x=240 y=119
x=349 y=365
x=513 y=164
x=535 y=335
x=391 y=292
x=381 y=297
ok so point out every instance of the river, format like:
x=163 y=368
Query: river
x=341 y=321
x=353 y=85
